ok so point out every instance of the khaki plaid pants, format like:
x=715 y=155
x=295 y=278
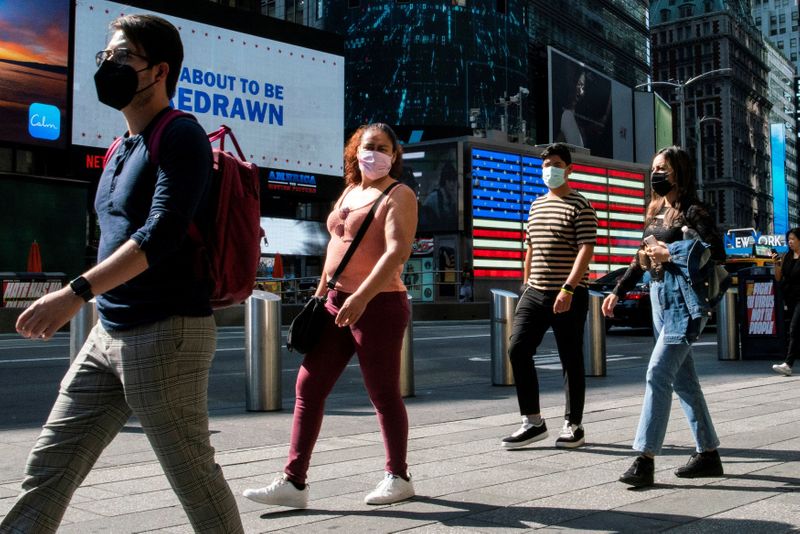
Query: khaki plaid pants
x=157 y=372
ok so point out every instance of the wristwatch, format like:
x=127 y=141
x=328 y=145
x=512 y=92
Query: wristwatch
x=568 y=289
x=81 y=287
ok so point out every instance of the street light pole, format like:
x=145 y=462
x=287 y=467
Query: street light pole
x=699 y=148
x=680 y=87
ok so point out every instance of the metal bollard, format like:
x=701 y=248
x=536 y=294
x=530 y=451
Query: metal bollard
x=727 y=327
x=504 y=303
x=407 y=356
x=594 y=337
x=79 y=327
x=262 y=331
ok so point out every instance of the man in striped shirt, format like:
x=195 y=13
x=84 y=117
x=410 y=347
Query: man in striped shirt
x=562 y=230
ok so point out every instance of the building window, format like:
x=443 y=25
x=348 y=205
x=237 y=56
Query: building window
x=353 y=3
x=320 y=9
x=664 y=15
x=758 y=21
x=686 y=10
x=268 y=8
x=501 y=6
x=780 y=45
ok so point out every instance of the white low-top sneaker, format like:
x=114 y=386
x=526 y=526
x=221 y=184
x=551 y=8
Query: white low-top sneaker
x=783 y=369
x=391 y=489
x=280 y=493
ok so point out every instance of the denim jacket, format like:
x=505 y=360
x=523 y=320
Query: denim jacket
x=684 y=294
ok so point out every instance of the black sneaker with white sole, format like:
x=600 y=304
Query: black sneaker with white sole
x=525 y=435
x=571 y=436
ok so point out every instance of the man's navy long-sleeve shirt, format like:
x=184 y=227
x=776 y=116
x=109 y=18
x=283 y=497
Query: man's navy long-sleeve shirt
x=154 y=204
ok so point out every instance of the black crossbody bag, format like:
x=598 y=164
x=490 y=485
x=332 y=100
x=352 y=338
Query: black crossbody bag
x=306 y=328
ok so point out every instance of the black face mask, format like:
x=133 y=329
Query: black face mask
x=117 y=84
x=660 y=184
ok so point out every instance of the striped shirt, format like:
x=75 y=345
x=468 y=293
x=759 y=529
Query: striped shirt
x=556 y=226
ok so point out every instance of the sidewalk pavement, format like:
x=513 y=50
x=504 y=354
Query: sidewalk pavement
x=464 y=481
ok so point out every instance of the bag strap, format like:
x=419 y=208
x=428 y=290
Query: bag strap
x=219 y=135
x=359 y=236
x=154 y=139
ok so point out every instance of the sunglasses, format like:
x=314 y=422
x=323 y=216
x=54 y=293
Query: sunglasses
x=118 y=55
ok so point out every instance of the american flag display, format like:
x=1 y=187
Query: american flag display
x=504 y=185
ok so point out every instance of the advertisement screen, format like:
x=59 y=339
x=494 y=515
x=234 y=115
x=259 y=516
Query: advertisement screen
x=33 y=72
x=581 y=105
x=294 y=237
x=663 y=123
x=780 y=197
x=504 y=186
x=284 y=103
x=433 y=176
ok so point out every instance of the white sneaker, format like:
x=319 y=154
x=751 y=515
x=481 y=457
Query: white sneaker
x=783 y=369
x=571 y=436
x=280 y=493
x=391 y=489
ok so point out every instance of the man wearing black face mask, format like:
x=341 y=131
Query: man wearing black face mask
x=150 y=353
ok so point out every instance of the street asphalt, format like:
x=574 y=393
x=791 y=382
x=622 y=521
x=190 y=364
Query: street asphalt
x=464 y=481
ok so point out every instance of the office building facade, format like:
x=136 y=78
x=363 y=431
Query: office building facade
x=690 y=39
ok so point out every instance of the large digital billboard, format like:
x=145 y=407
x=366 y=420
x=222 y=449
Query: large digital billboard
x=780 y=196
x=589 y=109
x=432 y=173
x=34 y=44
x=504 y=185
x=284 y=102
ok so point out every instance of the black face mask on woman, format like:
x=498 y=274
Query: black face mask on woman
x=117 y=84
x=660 y=184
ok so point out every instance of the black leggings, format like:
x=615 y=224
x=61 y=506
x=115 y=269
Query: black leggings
x=532 y=319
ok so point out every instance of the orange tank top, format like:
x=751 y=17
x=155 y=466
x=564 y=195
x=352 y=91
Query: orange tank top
x=343 y=224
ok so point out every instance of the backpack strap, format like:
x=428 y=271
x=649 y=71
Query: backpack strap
x=359 y=236
x=154 y=140
x=111 y=149
x=220 y=135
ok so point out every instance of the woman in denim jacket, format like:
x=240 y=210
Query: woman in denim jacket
x=685 y=239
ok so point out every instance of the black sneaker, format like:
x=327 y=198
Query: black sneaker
x=701 y=464
x=571 y=436
x=525 y=435
x=640 y=473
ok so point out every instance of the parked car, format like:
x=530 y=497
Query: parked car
x=633 y=310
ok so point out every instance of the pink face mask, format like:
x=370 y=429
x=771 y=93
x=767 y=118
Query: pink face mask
x=374 y=164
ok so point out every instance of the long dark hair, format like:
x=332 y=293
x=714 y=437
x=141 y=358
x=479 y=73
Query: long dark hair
x=683 y=173
x=352 y=174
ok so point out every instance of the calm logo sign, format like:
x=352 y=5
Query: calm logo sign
x=44 y=121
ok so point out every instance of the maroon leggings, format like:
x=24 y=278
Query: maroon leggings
x=377 y=338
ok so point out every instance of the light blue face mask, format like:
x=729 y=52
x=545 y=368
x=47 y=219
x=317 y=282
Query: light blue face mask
x=553 y=177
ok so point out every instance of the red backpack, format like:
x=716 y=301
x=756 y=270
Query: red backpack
x=233 y=245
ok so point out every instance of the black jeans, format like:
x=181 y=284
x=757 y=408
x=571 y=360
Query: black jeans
x=793 y=312
x=534 y=316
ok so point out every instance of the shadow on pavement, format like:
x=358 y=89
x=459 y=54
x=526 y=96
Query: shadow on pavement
x=475 y=515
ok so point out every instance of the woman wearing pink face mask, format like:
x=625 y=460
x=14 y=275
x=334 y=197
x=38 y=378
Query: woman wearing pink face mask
x=369 y=312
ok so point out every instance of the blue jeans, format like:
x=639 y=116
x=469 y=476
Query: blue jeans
x=672 y=369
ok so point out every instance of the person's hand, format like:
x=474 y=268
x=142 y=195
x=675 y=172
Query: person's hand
x=659 y=253
x=563 y=302
x=608 y=305
x=44 y=317
x=351 y=311
x=776 y=259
